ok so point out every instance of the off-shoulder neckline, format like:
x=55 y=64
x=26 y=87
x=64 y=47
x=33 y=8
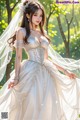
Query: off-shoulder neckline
x=34 y=31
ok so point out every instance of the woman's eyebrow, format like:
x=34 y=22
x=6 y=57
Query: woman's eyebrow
x=35 y=13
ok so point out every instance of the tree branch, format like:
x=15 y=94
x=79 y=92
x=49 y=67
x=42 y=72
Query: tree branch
x=47 y=21
x=72 y=14
x=15 y=5
x=61 y=29
x=66 y=19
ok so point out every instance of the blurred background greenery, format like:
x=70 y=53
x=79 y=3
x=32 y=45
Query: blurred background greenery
x=62 y=25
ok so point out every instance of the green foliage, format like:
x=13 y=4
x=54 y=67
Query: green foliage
x=52 y=33
x=3 y=81
x=3 y=25
x=0 y=87
x=79 y=115
x=74 y=47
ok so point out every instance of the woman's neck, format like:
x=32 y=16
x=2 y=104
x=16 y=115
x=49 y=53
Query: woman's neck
x=34 y=27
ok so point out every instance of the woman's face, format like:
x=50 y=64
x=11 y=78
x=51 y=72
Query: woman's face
x=37 y=17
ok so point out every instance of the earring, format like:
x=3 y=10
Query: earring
x=28 y=17
x=28 y=20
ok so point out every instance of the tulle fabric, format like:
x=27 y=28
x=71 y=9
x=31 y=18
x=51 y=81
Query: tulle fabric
x=5 y=49
x=35 y=97
x=43 y=93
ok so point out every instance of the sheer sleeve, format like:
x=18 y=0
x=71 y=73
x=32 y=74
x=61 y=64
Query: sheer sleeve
x=19 y=44
x=20 y=34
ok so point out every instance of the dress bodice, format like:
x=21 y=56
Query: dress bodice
x=36 y=48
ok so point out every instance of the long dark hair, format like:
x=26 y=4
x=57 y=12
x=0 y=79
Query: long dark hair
x=30 y=10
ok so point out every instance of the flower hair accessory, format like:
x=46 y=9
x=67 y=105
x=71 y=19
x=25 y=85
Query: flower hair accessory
x=22 y=6
x=23 y=1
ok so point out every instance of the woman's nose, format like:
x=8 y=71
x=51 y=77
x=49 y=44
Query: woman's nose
x=38 y=18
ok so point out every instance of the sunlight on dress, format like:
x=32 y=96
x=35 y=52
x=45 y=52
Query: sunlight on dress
x=39 y=95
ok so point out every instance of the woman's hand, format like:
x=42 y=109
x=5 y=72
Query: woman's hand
x=70 y=74
x=13 y=83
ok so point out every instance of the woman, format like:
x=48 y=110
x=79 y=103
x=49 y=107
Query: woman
x=37 y=82
x=33 y=18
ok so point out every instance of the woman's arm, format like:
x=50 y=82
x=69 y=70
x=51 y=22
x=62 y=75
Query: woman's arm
x=58 y=67
x=18 y=59
x=68 y=73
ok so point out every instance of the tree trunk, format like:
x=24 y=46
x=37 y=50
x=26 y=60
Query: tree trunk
x=63 y=37
x=47 y=25
x=9 y=12
x=68 y=42
x=47 y=21
x=61 y=29
x=9 y=16
x=67 y=49
x=0 y=15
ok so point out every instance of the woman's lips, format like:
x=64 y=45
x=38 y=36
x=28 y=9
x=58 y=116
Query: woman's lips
x=37 y=21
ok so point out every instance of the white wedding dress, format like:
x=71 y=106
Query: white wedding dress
x=38 y=95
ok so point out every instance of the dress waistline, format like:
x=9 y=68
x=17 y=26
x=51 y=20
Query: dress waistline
x=41 y=63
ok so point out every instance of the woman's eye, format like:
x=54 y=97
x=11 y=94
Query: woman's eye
x=35 y=15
